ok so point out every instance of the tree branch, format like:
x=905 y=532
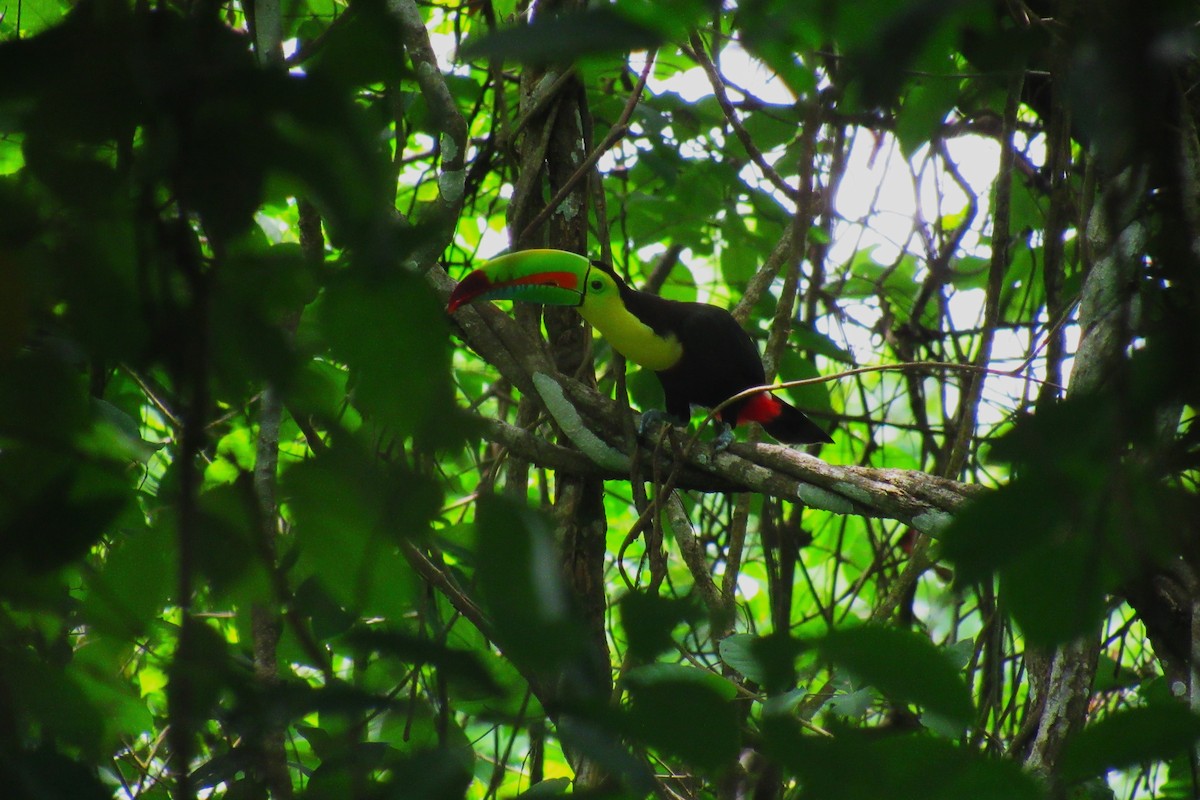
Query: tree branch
x=756 y=155
x=615 y=134
x=446 y=116
x=916 y=498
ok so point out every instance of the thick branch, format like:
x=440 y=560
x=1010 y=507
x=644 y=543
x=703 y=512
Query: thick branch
x=923 y=501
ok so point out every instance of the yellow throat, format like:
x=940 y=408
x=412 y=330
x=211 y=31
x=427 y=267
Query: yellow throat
x=603 y=308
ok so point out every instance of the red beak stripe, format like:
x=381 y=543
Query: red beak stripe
x=477 y=284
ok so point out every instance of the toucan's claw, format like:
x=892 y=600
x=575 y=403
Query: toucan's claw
x=651 y=419
x=724 y=438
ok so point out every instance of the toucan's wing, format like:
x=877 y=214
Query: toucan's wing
x=718 y=358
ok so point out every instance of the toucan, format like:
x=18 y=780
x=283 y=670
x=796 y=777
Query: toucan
x=699 y=352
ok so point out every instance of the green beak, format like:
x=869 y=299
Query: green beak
x=550 y=277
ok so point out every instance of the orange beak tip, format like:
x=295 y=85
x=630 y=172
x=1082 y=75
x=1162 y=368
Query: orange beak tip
x=470 y=287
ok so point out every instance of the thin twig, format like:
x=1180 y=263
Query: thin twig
x=968 y=410
x=446 y=118
x=911 y=365
x=756 y=155
x=617 y=132
x=155 y=394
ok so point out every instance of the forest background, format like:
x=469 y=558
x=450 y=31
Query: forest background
x=273 y=524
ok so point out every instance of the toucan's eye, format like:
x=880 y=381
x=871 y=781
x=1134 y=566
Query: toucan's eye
x=597 y=284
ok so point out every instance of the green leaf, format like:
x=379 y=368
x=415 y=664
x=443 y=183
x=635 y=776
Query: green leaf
x=1180 y=783
x=135 y=582
x=55 y=776
x=774 y=126
x=393 y=334
x=767 y=660
x=650 y=619
x=202 y=661
x=672 y=19
x=650 y=674
x=1059 y=534
x=668 y=713
x=315 y=603
x=364 y=48
x=54 y=700
x=1001 y=527
x=1128 y=738
x=737 y=651
x=35 y=16
x=903 y=665
x=117 y=434
x=925 y=108
x=886 y=42
x=350 y=516
x=852 y=705
x=254 y=297
x=1056 y=591
x=804 y=337
x=459 y=665
x=124 y=714
x=53 y=507
x=599 y=30
x=41 y=397
x=853 y=764
x=813 y=397
x=1057 y=451
x=970 y=272
x=1112 y=676
x=1027 y=213
x=645 y=392
x=232 y=559
x=552 y=787
x=439 y=773
x=519 y=571
x=739 y=259
x=599 y=740
x=782 y=25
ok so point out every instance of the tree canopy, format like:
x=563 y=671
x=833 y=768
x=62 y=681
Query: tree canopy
x=274 y=524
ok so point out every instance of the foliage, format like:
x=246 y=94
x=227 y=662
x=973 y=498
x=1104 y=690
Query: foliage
x=273 y=524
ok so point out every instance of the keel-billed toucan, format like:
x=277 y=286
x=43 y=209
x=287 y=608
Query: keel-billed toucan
x=699 y=352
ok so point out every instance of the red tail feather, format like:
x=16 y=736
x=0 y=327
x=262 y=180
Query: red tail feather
x=784 y=422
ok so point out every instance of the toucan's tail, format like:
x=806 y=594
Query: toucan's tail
x=784 y=422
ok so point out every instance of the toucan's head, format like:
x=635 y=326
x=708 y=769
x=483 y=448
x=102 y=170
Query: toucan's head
x=549 y=277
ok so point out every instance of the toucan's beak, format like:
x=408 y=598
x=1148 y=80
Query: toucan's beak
x=550 y=277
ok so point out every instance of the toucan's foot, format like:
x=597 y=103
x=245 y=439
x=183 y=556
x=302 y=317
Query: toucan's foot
x=652 y=419
x=724 y=438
